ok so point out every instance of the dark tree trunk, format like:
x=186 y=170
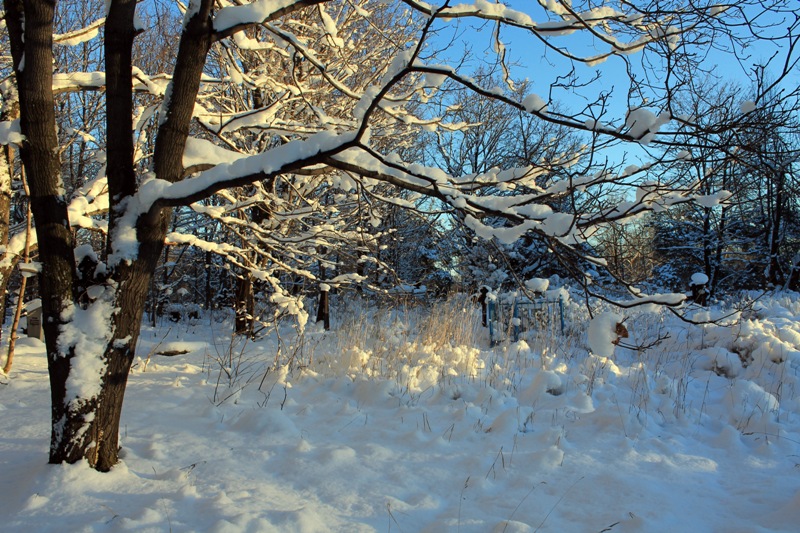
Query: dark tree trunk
x=323 y=306
x=119 y=35
x=482 y=299
x=775 y=275
x=721 y=240
x=707 y=255
x=360 y=270
x=323 y=309
x=30 y=26
x=134 y=278
x=208 y=295
x=89 y=428
x=245 y=305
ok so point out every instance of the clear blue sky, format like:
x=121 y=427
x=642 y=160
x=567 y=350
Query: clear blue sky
x=543 y=67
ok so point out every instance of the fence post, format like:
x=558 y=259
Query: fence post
x=323 y=308
x=490 y=316
x=482 y=300
x=515 y=319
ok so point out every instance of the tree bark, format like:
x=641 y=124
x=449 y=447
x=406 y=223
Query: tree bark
x=89 y=428
x=208 y=296
x=323 y=306
x=244 y=305
x=30 y=27
x=133 y=279
x=775 y=277
x=119 y=36
x=323 y=309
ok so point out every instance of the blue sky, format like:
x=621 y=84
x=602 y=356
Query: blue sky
x=542 y=66
x=532 y=60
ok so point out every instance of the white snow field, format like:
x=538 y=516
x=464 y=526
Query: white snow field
x=395 y=424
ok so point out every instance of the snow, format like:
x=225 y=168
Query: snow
x=602 y=333
x=31 y=305
x=748 y=106
x=201 y=151
x=713 y=200
x=534 y=104
x=10 y=132
x=718 y=9
x=330 y=28
x=487 y=9
x=75 y=38
x=29 y=269
x=394 y=433
x=229 y=166
x=364 y=103
x=63 y=82
x=698 y=278
x=537 y=284
x=255 y=12
x=643 y=124
x=87 y=332
x=399 y=63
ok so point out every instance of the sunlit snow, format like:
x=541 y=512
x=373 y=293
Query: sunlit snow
x=352 y=431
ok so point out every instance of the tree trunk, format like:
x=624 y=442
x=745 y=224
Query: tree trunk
x=721 y=240
x=88 y=426
x=775 y=276
x=245 y=305
x=119 y=354
x=12 y=333
x=323 y=308
x=208 y=295
x=30 y=27
x=101 y=446
x=707 y=256
x=86 y=410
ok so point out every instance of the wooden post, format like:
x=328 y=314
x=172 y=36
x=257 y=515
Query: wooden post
x=323 y=309
x=482 y=300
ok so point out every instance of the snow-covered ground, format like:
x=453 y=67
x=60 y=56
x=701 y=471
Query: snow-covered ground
x=381 y=426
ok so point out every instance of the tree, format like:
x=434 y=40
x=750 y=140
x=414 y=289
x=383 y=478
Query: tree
x=627 y=249
x=496 y=137
x=743 y=241
x=770 y=151
x=701 y=237
x=323 y=214
x=89 y=355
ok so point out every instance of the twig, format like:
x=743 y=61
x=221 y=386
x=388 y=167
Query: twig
x=556 y=504
x=517 y=508
x=461 y=499
x=153 y=350
x=389 y=510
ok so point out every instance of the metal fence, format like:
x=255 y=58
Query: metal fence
x=507 y=320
